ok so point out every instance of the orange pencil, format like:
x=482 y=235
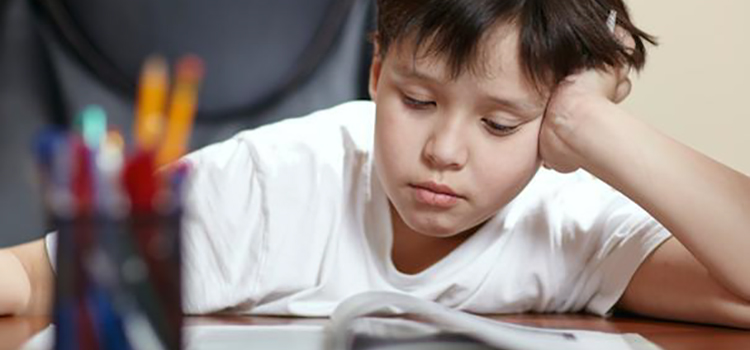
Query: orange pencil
x=152 y=94
x=181 y=110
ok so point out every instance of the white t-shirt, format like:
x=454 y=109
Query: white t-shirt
x=290 y=219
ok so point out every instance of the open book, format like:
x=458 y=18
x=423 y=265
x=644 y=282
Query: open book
x=387 y=320
x=427 y=325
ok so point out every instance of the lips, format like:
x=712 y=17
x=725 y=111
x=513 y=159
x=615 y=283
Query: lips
x=437 y=188
x=436 y=195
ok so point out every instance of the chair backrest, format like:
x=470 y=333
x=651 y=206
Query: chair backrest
x=260 y=55
x=265 y=61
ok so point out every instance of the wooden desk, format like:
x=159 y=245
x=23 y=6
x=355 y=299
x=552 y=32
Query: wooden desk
x=669 y=335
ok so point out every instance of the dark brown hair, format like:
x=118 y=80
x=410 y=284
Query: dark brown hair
x=556 y=37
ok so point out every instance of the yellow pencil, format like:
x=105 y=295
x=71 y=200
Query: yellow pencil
x=181 y=110
x=152 y=94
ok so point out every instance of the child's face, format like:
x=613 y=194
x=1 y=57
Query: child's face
x=432 y=131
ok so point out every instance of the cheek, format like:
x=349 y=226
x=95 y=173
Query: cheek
x=395 y=149
x=509 y=166
x=399 y=136
x=524 y=148
x=387 y=136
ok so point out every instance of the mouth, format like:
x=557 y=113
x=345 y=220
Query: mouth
x=436 y=195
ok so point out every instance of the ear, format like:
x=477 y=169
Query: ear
x=623 y=90
x=375 y=67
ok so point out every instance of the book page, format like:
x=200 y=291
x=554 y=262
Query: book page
x=429 y=318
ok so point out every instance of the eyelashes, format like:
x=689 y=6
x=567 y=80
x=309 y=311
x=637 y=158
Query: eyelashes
x=418 y=104
x=496 y=128
x=492 y=127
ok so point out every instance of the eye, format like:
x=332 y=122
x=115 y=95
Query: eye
x=417 y=104
x=498 y=129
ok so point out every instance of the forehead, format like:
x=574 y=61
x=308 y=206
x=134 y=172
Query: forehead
x=494 y=66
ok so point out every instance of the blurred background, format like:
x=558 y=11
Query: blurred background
x=264 y=61
x=696 y=85
x=285 y=58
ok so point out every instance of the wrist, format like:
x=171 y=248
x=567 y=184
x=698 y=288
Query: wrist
x=608 y=140
x=580 y=125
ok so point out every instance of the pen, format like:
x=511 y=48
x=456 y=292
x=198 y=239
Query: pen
x=109 y=164
x=82 y=185
x=93 y=126
x=49 y=147
x=140 y=182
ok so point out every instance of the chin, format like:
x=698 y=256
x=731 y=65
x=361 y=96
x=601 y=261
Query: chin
x=440 y=235
x=433 y=227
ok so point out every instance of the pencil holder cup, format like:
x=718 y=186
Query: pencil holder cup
x=118 y=216
x=117 y=261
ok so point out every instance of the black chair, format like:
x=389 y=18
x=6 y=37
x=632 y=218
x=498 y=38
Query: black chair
x=265 y=61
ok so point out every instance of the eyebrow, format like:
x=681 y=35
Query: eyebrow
x=529 y=110
x=414 y=73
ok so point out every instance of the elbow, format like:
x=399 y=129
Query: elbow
x=745 y=290
x=733 y=311
x=737 y=315
x=742 y=290
x=15 y=288
x=12 y=304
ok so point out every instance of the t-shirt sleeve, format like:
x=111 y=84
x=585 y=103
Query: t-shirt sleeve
x=50 y=245
x=632 y=237
x=223 y=228
x=607 y=238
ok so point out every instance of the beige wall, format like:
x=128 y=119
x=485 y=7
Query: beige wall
x=696 y=85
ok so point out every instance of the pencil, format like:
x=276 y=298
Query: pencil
x=152 y=93
x=181 y=110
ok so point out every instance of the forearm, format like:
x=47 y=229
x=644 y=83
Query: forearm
x=703 y=203
x=26 y=280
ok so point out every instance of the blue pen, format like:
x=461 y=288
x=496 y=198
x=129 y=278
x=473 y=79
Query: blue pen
x=106 y=163
x=55 y=155
x=46 y=152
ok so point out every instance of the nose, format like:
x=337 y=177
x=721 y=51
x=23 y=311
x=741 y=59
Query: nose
x=446 y=148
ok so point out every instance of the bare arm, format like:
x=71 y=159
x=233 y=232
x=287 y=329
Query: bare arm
x=703 y=203
x=26 y=280
x=672 y=284
x=703 y=274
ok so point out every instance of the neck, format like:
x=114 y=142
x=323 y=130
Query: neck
x=413 y=252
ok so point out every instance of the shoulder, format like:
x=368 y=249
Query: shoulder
x=577 y=196
x=323 y=130
x=591 y=236
x=302 y=168
x=322 y=138
x=263 y=203
x=579 y=214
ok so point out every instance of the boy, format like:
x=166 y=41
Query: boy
x=435 y=189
